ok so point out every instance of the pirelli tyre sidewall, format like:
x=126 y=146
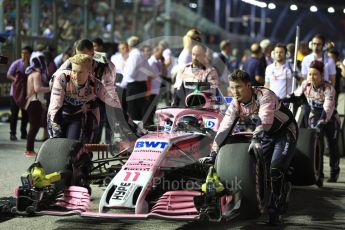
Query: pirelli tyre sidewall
x=54 y=156
x=240 y=172
x=308 y=159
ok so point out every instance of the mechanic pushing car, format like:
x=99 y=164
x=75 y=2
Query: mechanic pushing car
x=196 y=71
x=73 y=112
x=320 y=96
x=275 y=135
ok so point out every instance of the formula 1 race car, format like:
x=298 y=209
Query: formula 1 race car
x=161 y=176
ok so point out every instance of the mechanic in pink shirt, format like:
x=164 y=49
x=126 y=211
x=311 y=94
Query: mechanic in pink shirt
x=73 y=111
x=196 y=71
x=320 y=96
x=275 y=134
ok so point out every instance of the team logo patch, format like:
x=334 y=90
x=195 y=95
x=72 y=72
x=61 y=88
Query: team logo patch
x=210 y=123
x=151 y=144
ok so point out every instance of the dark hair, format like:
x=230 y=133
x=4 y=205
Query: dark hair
x=82 y=44
x=319 y=36
x=281 y=45
x=317 y=65
x=98 y=41
x=334 y=52
x=39 y=62
x=194 y=34
x=239 y=75
x=28 y=48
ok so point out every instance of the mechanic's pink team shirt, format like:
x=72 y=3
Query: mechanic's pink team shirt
x=191 y=74
x=265 y=106
x=75 y=99
x=320 y=98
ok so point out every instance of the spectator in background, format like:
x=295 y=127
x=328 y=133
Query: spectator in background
x=189 y=40
x=169 y=59
x=49 y=55
x=255 y=66
x=170 y=63
x=317 y=45
x=278 y=77
x=267 y=48
x=119 y=59
x=61 y=58
x=290 y=52
x=36 y=104
x=335 y=56
x=147 y=51
x=222 y=63
x=303 y=51
x=16 y=70
x=98 y=45
x=290 y=59
x=135 y=74
x=156 y=62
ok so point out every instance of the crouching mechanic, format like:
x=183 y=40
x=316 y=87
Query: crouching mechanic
x=73 y=111
x=320 y=96
x=275 y=135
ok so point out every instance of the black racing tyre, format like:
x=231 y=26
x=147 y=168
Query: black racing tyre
x=240 y=172
x=54 y=156
x=308 y=158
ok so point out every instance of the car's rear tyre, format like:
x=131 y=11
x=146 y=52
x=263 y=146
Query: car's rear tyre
x=54 y=156
x=308 y=159
x=240 y=172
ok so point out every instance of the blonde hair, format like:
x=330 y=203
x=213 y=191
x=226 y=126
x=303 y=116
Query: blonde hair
x=133 y=41
x=191 y=38
x=81 y=59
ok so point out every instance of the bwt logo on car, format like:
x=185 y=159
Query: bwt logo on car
x=151 y=144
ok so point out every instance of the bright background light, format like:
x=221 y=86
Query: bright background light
x=293 y=7
x=271 y=6
x=330 y=10
x=193 y=5
x=256 y=3
x=313 y=8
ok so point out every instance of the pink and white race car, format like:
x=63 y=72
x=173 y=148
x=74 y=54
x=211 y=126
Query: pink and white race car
x=162 y=178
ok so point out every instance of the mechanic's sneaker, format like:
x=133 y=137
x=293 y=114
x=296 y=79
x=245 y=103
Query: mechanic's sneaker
x=13 y=137
x=30 y=153
x=274 y=217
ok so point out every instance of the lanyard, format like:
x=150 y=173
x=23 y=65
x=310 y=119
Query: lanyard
x=275 y=77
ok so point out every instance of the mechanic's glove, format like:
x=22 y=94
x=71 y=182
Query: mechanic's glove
x=210 y=159
x=255 y=147
x=320 y=124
